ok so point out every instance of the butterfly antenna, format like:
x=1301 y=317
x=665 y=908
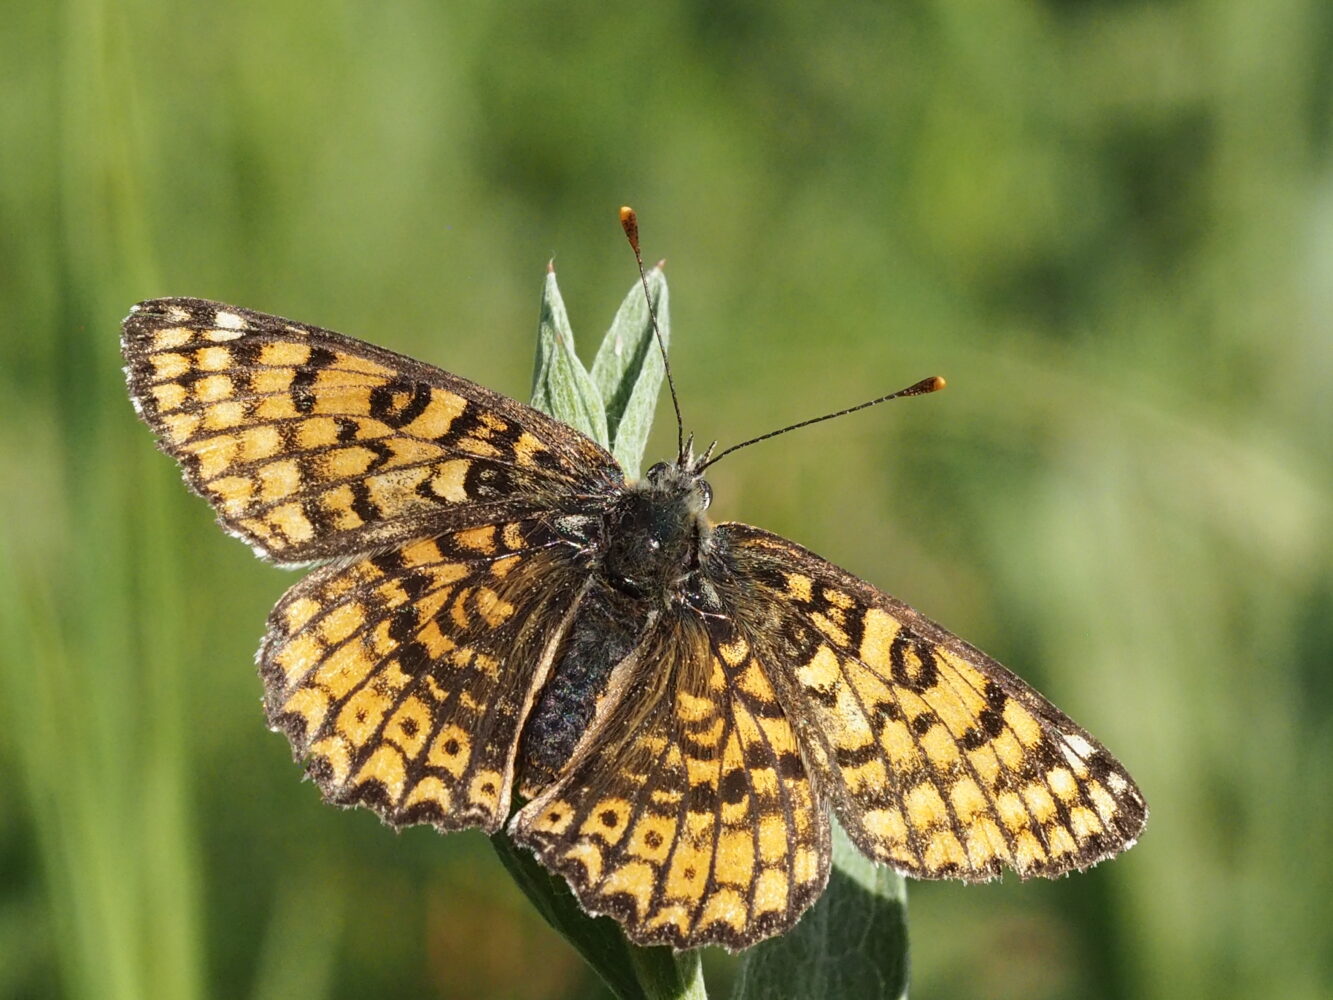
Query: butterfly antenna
x=630 y=223
x=933 y=384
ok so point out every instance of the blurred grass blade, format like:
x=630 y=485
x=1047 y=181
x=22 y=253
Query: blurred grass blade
x=628 y=370
x=851 y=944
x=562 y=388
x=561 y=385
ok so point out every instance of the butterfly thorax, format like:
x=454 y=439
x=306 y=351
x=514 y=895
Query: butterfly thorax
x=648 y=556
x=654 y=535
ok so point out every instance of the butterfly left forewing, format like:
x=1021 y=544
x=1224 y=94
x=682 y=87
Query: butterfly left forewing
x=936 y=759
x=312 y=445
x=697 y=823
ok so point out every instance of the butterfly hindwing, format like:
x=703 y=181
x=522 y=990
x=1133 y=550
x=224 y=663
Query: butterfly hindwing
x=936 y=759
x=402 y=679
x=311 y=445
x=700 y=825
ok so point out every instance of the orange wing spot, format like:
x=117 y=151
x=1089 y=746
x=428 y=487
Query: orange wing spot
x=224 y=415
x=212 y=359
x=726 y=906
x=213 y=388
x=822 y=673
x=299 y=612
x=409 y=727
x=279 y=479
x=940 y=748
x=169 y=366
x=771 y=891
x=447 y=482
x=635 y=879
x=275 y=408
x=299 y=656
x=266 y=381
x=311 y=705
x=967 y=800
x=176 y=336
x=344 y=669
x=294 y=526
x=1025 y=727
x=925 y=808
x=1039 y=801
x=944 y=849
x=886 y=825
x=878 y=633
x=1058 y=841
x=478 y=539
x=284 y=354
x=451 y=750
x=334 y=752
x=652 y=837
x=430 y=789
x=361 y=715
x=387 y=767
x=180 y=427
x=1084 y=822
x=440 y=413
x=1013 y=813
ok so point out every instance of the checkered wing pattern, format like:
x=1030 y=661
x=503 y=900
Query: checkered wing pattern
x=311 y=445
x=691 y=820
x=402 y=679
x=936 y=759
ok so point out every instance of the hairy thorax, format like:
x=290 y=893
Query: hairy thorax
x=647 y=550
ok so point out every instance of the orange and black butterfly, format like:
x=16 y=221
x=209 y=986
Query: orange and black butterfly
x=499 y=615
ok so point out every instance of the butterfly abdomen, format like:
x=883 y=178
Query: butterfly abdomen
x=606 y=630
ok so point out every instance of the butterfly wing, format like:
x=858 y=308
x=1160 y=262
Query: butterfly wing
x=311 y=445
x=402 y=679
x=694 y=822
x=936 y=759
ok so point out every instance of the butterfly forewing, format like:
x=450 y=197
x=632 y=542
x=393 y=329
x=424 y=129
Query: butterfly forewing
x=936 y=759
x=311 y=445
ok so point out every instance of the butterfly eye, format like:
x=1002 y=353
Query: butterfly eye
x=658 y=471
x=705 y=493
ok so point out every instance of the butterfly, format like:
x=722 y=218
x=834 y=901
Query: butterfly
x=504 y=632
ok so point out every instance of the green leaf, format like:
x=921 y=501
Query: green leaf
x=563 y=389
x=561 y=385
x=628 y=370
x=851 y=944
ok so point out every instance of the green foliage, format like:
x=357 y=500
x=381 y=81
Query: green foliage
x=1107 y=224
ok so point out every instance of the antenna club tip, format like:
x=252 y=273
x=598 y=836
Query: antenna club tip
x=630 y=223
x=936 y=383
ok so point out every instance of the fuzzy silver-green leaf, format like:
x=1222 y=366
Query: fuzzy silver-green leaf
x=561 y=385
x=628 y=370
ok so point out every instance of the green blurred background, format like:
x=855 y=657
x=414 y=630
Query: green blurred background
x=1109 y=224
